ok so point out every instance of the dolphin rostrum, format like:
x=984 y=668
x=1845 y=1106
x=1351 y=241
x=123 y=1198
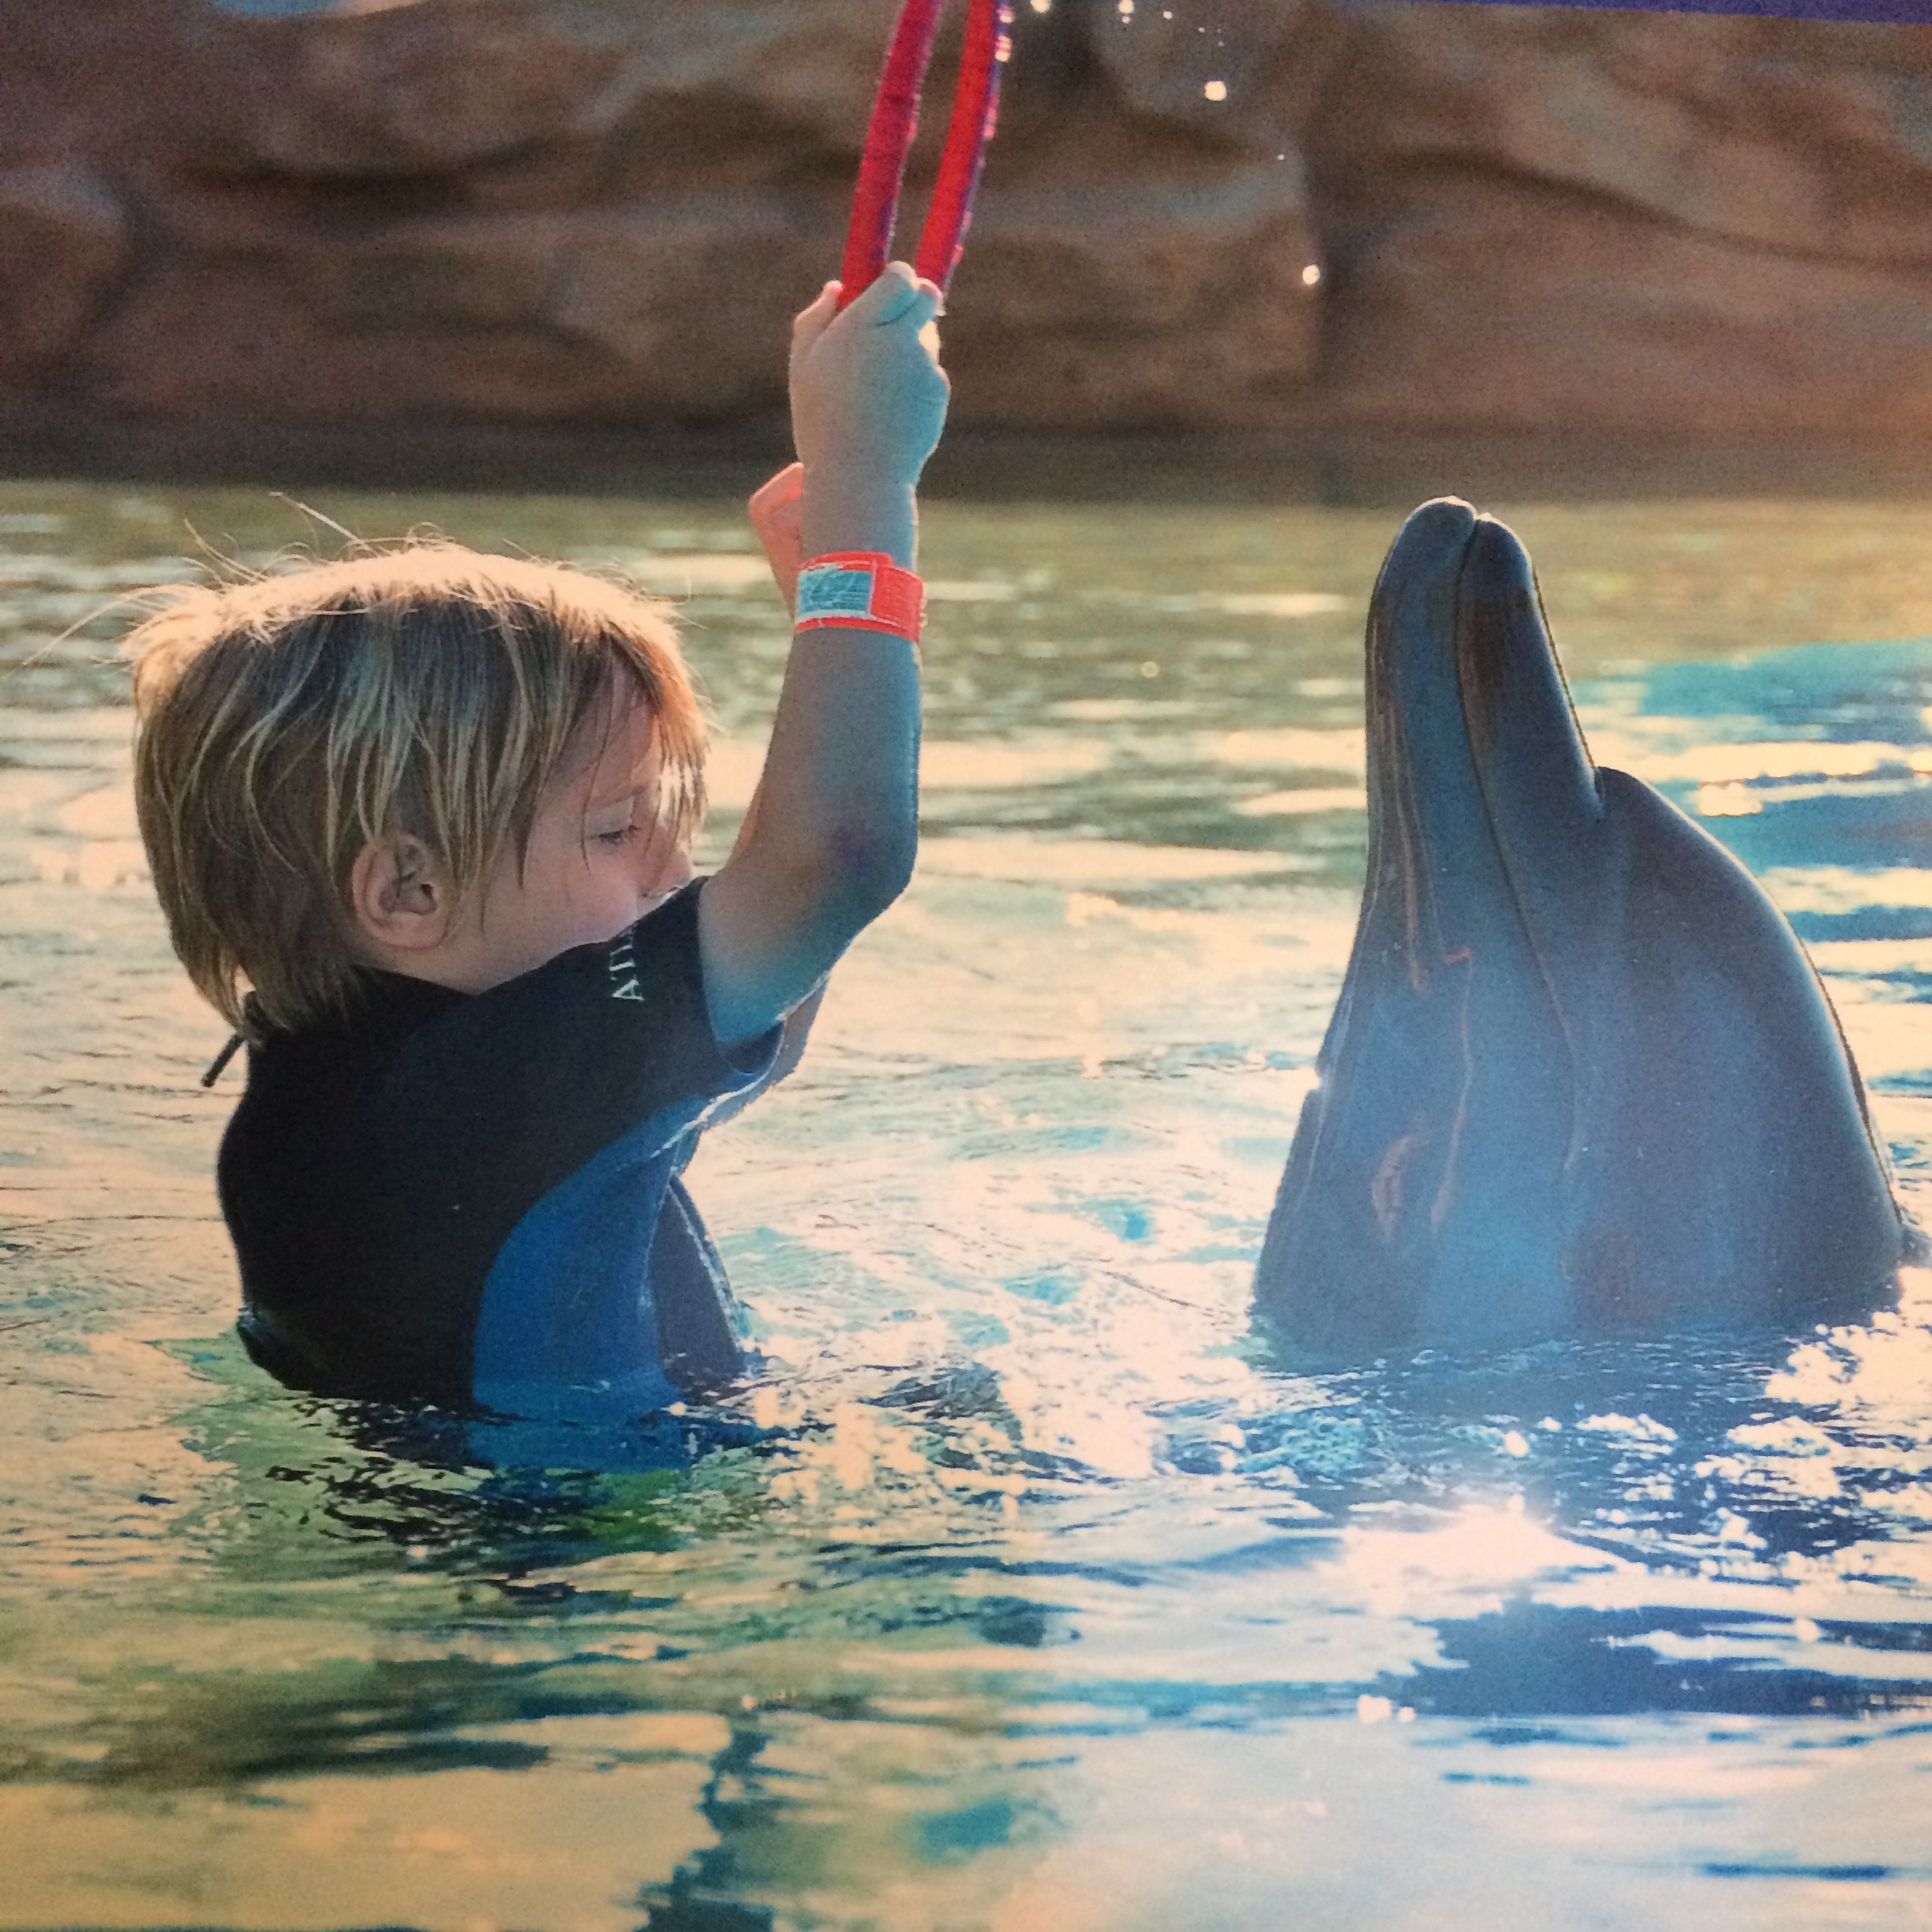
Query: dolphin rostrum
x=1581 y=1078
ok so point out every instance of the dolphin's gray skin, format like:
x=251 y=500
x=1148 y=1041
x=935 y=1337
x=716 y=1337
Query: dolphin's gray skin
x=1581 y=1080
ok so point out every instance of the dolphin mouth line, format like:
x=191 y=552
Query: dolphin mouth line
x=1482 y=681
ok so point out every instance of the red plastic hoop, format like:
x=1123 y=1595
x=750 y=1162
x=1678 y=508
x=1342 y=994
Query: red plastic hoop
x=889 y=139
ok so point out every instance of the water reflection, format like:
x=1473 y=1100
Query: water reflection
x=1019 y=1591
x=1813 y=759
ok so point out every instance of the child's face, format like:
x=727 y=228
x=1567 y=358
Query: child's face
x=598 y=856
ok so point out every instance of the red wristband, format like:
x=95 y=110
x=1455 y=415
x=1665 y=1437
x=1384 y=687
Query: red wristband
x=862 y=588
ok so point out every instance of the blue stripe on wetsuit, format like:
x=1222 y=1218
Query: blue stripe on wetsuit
x=571 y=1294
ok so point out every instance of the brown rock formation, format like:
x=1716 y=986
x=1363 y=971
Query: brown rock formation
x=1677 y=225
x=1300 y=217
x=63 y=237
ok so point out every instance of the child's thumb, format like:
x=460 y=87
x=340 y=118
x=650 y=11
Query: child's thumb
x=810 y=323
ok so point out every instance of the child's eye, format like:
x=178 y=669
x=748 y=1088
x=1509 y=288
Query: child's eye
x=622 y=835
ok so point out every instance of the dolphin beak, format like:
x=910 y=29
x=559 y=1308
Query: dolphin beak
x=1482 y=793
x=1416 y=732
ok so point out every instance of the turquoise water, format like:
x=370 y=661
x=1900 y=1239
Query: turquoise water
x=1021 y=1591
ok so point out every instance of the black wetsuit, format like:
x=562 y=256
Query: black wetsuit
x=474 y=1200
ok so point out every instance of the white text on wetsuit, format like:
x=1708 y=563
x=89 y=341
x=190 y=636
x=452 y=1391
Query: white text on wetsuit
x=622 y=960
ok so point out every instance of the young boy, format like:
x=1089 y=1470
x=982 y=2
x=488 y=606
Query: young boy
x=434 y=808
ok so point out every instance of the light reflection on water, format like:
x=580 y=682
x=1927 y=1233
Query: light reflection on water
x=1020 y=1591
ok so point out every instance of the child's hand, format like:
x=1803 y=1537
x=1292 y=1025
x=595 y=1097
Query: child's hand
x=868 y=401
x=777 y=510
x=830 y=839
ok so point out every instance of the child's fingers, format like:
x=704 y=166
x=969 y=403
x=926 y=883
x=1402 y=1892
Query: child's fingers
x=898 y=295
x=867 y=390
x=777 y=510
x=773 y=494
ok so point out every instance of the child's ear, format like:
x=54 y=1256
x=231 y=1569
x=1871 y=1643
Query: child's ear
x=401 y=896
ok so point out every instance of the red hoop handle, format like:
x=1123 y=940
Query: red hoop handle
x=888 y=140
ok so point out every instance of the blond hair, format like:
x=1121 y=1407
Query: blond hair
x=285 y=722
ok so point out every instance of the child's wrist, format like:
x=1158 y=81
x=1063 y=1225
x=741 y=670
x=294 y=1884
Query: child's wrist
x=841 y=514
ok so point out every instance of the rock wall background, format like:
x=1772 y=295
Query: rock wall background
x=598 y=214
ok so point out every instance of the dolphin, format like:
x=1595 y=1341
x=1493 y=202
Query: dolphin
x=1581 y=1080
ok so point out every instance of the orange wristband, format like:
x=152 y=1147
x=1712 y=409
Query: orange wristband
x=863 y=588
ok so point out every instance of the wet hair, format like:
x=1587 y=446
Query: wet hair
x=287 y=721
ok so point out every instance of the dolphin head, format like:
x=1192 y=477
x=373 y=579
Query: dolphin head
x=1581 y=1078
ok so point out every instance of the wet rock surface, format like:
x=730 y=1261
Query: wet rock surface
x=1274 y=218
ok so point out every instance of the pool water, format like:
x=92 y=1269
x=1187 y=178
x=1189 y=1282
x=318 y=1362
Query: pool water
x=1022 y=1590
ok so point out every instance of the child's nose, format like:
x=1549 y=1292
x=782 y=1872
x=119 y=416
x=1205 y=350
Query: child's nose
x=669 y=866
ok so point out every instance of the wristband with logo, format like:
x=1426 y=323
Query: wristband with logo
x=860 y=587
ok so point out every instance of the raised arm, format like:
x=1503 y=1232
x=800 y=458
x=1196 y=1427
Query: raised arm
x=830 y=840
